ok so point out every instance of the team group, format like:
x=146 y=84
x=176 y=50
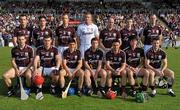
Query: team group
x=88 y=54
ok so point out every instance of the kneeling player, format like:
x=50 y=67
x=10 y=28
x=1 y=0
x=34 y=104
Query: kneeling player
x=47 y=56
x=22 y=58
x=116 y=64
x=135 y=61
x=93 y=64
x=72 y=63
x=156 y=62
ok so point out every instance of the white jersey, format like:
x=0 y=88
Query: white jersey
x=86 y=33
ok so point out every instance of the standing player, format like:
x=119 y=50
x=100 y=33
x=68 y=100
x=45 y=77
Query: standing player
x=23 y=29
x=47 y=56
x=116 y=65
x=64 y=33
x=22 y=59
x=39 y=33
x=93 y=64
x=126 y=32
x=150 y=32
x=135 y=61
x=156 y=62
x=72 y=63
x=108 y=35
x=86 y=32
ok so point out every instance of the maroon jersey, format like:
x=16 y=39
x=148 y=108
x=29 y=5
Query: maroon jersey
x=116 y=60
x=151 y=33
x=155 y=57
x=22 y=56
x=93 y=57
x=107 y=37
x=39 y=34
x=72 y=58
x=125 y=33
x=24 y=31
x=47 y=57
x=64 y=35
x=133 y=57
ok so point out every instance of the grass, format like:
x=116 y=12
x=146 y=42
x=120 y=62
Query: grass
x=160 y=102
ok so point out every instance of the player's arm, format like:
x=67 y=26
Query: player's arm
x=87 y=65
x=147 y=64
x=78 y=66
x=35 y=63
x=123 y=66
x=78 y=36
x=164 y=61
x=109 y=66
x=15 y=66
x=65 y=66
x=99 y=66
x=58 y=61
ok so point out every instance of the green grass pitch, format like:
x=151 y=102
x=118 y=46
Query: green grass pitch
x=160 y=102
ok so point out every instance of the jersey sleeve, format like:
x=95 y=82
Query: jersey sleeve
x=12 y=53
x=123 y=57
x=96 y=31
x=107 y=56
x=79 y=31
x=164 y=55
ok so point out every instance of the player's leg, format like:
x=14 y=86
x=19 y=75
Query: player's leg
x=103 y=75
x=80 y=75
x=151 y=82
x=62 y=80
x=87 y=76
x=28 y=76
x=170 y=75
x=131 y=81
x=109 y=79
x=123 y=83
x=145 y=74
x=54 y=80
x=7 y=76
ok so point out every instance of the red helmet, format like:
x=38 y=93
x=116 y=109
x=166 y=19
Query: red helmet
x=38 y=80
x=111 y=94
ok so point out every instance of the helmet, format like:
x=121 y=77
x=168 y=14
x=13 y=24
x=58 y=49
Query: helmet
x=111 y=94
x=38 y=80
x=71 y=91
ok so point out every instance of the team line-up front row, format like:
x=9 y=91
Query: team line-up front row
x=124 y=63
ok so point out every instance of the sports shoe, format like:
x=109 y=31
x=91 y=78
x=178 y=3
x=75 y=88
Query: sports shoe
x=90 y=92
x=171 y=93
x=79 y=93
x=39 y=96
x=52 y=90
x=153 y=93
x=133 y=93
x=10 y=93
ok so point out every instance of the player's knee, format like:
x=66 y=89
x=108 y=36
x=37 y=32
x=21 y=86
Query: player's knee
x=146 y=73
x=103 y=74
x=123 y=73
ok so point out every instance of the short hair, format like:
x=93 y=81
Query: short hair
x=117 y=41
x=47 y=36
x=133 y=37
x=72 y=41
x=155 y=39
x=94 y=39
x=40 y=17
x=22 y=15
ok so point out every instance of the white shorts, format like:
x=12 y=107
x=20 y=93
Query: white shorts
x=46 y=71
x=83 y=48
x=71 y=70
x=156 y=74
x=138 y=73
x=61 y=49
x=146 y=48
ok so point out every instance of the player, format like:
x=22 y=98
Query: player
x=156 y=63
x=116 y=65
x=135 y=65
x=150 y=32
x=93 y=66
x=50 y=64
x=22 y=59
x=39 y=33
x=64 y=33
x=85 y=32
x=126 y=32
x=72 y=63
x=22 y=29
x=107 y=35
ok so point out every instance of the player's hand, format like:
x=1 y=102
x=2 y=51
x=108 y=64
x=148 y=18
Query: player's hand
x=161 y=73
x=22 y=71
x=118 y=71
x=17 y=72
